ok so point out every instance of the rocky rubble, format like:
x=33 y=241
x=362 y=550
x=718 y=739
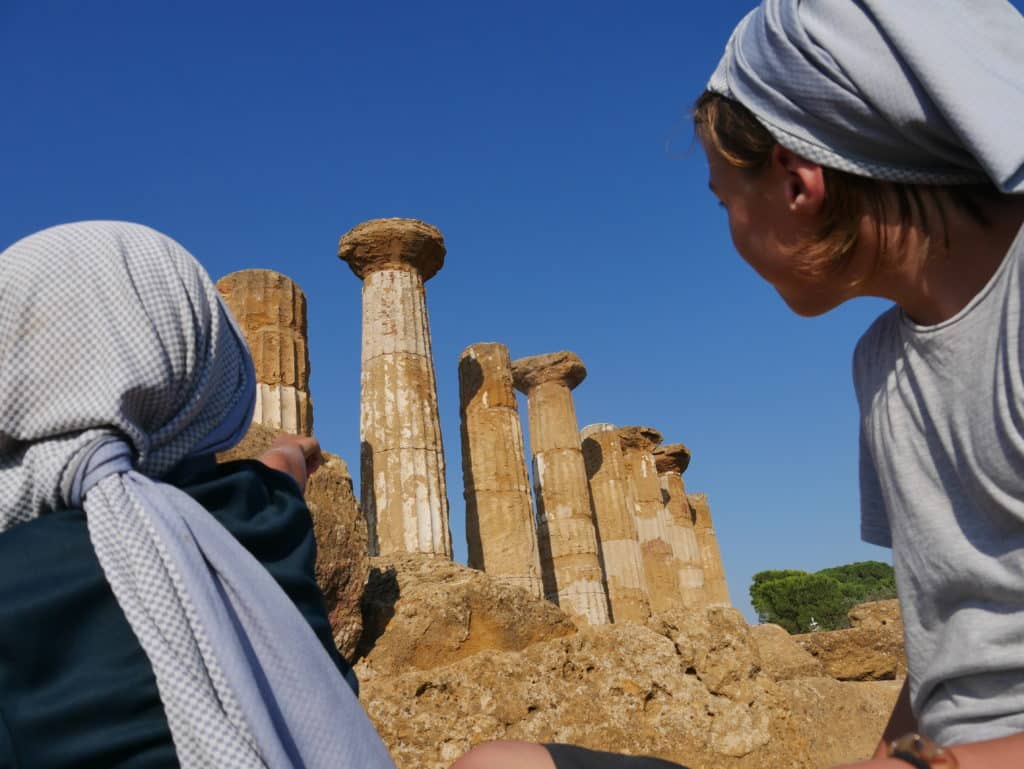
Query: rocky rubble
x=452 y=658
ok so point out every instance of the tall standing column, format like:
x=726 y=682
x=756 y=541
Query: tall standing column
x=661 y=573
x=715 y=587
x=500 y=530
x=672 y=459
x=270 y=308
x=402 y=457
x=611 y=503
x=566 y=538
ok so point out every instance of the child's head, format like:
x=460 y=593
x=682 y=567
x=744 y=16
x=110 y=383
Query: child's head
x=837 y=138
x=830 y=226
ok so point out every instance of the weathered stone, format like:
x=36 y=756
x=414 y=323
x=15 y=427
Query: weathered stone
x=692 y=694
x=671 y=461
x=876 y=614
x=270 y=309
x=565 y=538
x=500 y=528
x=402 y=466
x=660 y=567
x=835 y=722
x=782 y=658
x=872 y=650
x=342 y=563
x=421 y=612
x=395 y=243
x=611 y=504
x=715 y=588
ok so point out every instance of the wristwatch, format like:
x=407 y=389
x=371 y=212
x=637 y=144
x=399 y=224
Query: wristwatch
x=922 y=753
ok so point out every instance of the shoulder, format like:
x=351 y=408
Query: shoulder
x=876 y=352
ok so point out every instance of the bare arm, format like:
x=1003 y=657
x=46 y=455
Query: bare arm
x=296 y=455
x=902 y=721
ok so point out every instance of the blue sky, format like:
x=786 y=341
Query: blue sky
x=548 y=141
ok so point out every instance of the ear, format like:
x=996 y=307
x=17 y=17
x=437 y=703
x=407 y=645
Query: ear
x=804 y=181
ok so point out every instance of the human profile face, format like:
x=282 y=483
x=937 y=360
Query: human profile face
x=771 y=213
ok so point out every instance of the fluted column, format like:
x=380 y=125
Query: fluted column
x=270 y=309
x=661 y=573
x=566 y=539
x=715 y=587
x=500 y=529
x=612 y=505
x=672 y=459
x=402 y=467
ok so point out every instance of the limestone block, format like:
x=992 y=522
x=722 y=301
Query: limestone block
x=500 y=528
x=402 y=467
x=782 y=658
x=872 y=650
x=423 y=612
x=566 y=539
x=270 y=309
x=715 y=588
x=611 y=505
x=342 y=563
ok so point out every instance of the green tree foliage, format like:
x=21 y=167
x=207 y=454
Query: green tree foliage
x=792 y=598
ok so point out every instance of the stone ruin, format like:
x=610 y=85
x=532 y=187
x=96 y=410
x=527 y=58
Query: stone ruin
x=614 y=536
x=636 y=649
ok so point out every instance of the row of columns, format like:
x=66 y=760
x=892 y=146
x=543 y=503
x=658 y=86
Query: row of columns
x=615 y=536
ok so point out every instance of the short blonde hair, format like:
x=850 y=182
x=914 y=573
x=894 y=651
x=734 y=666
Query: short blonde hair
x=731 y=130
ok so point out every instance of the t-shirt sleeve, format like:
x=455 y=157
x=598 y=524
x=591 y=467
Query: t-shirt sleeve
x=874 y=520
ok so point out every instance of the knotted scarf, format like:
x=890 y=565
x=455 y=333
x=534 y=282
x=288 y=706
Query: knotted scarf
x=914 y=91
x=117 y=361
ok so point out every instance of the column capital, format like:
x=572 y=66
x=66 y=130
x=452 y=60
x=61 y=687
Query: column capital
x=638 y=437
x=672 y=458
x=382 y=244
x=565 y=367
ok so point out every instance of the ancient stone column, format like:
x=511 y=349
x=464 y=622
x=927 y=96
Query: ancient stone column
x=565 y=530
x=715 y=588
x=672 y=460
x=270 y=308
x=402 y=468
x=611 y=504
x=500 y=530
x=661 y=572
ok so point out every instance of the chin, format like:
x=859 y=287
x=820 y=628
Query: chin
x=809 y=307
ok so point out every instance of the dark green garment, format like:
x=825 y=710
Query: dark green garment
x=76 y=689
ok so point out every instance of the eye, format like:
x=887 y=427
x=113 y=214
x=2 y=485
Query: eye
x=721 y=204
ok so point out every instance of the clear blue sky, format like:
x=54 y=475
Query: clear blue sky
x=534 y=136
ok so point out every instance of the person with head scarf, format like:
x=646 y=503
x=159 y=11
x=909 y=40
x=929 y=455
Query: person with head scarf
x=876 y=148
x=156 y=609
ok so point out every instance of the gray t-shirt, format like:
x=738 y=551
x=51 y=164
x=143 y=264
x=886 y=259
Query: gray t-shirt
x=942 y=484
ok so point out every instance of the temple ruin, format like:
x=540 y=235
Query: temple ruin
x=500 y=529
x=715 y=588
x=671 y=460
x=402 y=468
x=612 y=505
x=566 y=538
x=609 y=532
x=270 y=309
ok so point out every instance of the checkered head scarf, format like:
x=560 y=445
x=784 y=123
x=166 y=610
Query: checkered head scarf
x=117 y=361
x=913 y=91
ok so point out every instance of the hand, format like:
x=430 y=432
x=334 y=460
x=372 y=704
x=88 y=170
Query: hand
x=296 y=455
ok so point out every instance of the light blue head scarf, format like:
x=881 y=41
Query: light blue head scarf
x=915 y=91
x=117 y=361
